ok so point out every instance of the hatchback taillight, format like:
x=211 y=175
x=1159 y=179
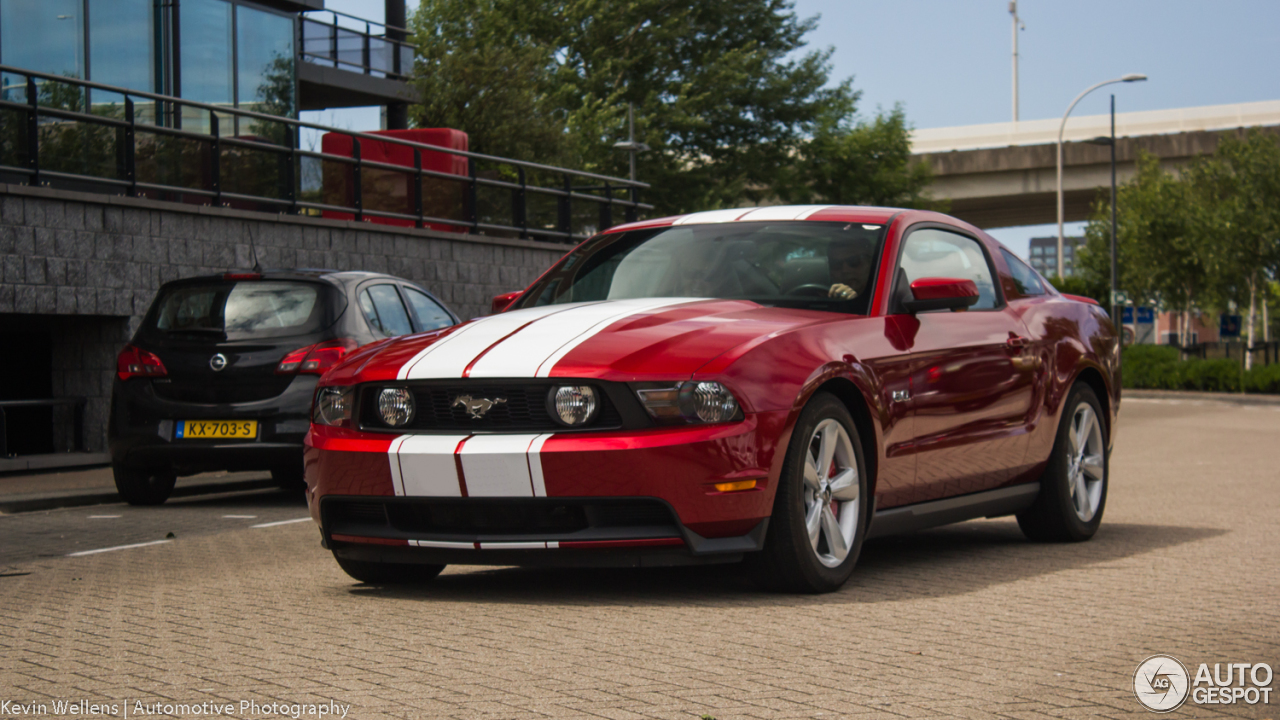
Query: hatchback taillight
x=135 y=362
x=315 y=359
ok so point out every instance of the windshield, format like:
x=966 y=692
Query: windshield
x=241 y=310
x=824 y=266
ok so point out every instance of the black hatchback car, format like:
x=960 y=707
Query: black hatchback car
x=221 y=373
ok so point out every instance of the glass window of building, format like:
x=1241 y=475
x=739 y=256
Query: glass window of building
x=264 y=61
x=47 y=36
x=122 y=52
x=206 y=67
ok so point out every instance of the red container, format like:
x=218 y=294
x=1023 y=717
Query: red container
x=391 y=191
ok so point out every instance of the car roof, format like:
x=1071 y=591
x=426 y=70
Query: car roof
x=772 y=213
x=339 y=277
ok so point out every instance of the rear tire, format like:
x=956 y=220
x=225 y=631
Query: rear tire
x=820 y=508
x=1073 y=489
x=143 y=487
x=380 y=573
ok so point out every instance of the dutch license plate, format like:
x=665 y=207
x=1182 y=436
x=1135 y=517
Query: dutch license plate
x=216 y=429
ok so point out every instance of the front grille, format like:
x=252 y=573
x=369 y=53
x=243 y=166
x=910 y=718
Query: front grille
x=524 y=409
x=478 y=519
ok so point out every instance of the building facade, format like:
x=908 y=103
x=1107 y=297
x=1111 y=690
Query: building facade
x=272 y=56
x=1044 y=255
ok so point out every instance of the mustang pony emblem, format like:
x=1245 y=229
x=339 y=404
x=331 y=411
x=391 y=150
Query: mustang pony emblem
x=476 y=407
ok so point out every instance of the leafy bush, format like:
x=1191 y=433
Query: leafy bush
x=1263 y=379
x=1158 y=367
x=1151 y=367
x=1220 y=375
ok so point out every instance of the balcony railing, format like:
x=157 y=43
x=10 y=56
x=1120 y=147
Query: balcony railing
x=328 y=37
x=47 y=137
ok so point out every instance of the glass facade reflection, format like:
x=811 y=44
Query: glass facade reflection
x=222 y=52
x=265 y=75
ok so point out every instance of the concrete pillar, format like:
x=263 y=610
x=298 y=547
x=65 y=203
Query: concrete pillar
x=397 y=113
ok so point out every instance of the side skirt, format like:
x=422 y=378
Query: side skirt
x=990 y=503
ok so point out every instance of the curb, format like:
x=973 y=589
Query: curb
x=34 y=501
x=1192 y=395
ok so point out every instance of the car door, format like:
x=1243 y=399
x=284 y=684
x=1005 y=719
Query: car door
x=970 y=395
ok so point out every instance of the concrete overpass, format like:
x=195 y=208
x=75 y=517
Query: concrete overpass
x=1004 y=174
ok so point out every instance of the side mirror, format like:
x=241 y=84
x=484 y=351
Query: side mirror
x=503 y=301
x=941 y=294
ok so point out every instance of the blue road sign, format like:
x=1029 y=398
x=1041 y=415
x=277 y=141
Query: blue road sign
x=1146 y=316
x=1126 y=316
x=1228 y=325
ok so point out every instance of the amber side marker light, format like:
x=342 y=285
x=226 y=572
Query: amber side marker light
x=736 y=486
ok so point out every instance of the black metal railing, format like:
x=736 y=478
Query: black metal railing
x=328 y=37
x=226 y=156
x=77 y=418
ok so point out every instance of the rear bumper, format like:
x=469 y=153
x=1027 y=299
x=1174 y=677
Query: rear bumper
x=141 y=431
x=398 y=478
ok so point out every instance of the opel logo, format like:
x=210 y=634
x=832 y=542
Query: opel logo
x=218 y=362
x=476 y=407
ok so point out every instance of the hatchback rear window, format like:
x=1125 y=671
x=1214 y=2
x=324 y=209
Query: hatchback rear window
x=242 y=310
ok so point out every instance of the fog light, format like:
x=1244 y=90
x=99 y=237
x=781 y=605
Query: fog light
x=573 y=404
x=395 y=406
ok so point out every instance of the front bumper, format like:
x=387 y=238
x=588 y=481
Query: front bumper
x=531 y=499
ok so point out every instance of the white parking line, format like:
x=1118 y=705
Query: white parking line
x=239 y=517
x=117 y=547
x=103 y=517
x=281 y=522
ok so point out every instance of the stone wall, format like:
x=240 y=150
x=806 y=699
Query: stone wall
x=85 y=268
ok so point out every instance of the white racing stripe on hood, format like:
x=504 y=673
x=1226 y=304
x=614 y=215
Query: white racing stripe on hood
x=783 y=212
x=533 y=351
x=448 y=357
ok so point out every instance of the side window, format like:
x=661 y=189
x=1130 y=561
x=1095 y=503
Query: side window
x=384 y=311
x=430 y=315
x=938 y=253
x=1025 y=280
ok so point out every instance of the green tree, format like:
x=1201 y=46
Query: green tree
x=731 y=113
x=1163 y=260
x=857 y=162
x=1236 y=206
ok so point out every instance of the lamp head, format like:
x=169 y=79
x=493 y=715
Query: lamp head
x=1134 y=77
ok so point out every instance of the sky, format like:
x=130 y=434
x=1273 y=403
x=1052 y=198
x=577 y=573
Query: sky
x=948 y=62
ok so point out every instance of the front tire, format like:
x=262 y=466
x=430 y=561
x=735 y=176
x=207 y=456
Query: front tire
x=820 y=508
x=143 y=487
x=1073 y=489
x=381 y=573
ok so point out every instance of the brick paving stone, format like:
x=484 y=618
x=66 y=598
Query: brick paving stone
x=969 y=621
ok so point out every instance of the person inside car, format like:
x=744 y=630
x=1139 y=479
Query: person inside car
x=850 y=264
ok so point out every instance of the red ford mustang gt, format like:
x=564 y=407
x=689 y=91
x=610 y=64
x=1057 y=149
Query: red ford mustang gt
x=772 y=385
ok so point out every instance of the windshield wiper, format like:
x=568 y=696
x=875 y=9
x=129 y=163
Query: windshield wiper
x=198 y=331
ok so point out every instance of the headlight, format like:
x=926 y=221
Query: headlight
x=395 y=406
x=710 y=402
x=332 y=406
x=689 y=402
x=573 y=405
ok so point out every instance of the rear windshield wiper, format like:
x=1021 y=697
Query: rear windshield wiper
x=197 y=331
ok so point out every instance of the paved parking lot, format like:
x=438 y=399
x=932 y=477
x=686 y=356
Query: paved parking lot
x=966 y=621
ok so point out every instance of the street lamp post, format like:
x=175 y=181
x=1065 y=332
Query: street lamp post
x=1115 y=263
x=1133 y=77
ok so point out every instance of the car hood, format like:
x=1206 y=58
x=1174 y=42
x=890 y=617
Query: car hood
x=652 y=338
